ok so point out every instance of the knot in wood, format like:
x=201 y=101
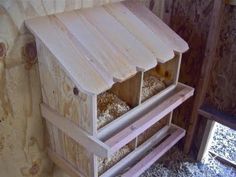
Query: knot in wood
x=3 y=50
x=30 y=53
x=76 y=91
x=34 y=169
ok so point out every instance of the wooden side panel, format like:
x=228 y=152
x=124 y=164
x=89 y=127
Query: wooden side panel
x=60 y=94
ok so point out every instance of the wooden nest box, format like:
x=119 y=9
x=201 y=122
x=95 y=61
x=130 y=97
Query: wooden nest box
x=109 y=79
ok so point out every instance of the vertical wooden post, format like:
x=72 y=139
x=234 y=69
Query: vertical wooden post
x=202 y=85
x=206 y=140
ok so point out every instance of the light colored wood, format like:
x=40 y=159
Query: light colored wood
x=71 y=60
x=130 y=90
x=24 y=150
x=79 y=43
x=164 y=33
x=89 y=142
x=161 y=51
x=168 y=70
x=132 y=115
x=135 y=52
x=144 y=122
x=64 y=165
x=102 y=50
x=137 y=153
x=57 y=91
x=202 y=85
x=155 y=154
x=206 y=140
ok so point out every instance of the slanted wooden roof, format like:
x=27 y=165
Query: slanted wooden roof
x=103 y=45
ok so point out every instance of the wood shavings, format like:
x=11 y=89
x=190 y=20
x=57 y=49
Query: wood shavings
x=105 y=164
x=110 y=107
x=151 y=86
x=224 y=142
x=176 y=164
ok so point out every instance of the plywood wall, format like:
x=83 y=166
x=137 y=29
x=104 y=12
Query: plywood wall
x=22 y=146
x=222 y=87
x=191 y=20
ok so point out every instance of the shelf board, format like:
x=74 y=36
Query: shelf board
x=218 y=116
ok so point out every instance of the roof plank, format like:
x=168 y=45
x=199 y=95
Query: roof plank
x=137 y=54
x=102 y=50
x=163 y=31
x=100 y=46
x=162 y=52
x=81 y=72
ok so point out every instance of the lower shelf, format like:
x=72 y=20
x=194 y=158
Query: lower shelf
x=147 y=153
x=136 y=162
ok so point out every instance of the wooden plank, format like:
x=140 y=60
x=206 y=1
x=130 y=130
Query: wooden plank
x=161 y=51
x=206 y=140
x=218 y=116
x=93 y=42
x=129 y=90
x=168 y=70
x=68 y=56
x=132 y=115
x=91 y=143
x=202 y=85
x=144 y=122
x=164 y=32
x=155 y=154
x=70 y=170
x=80 y=108
x=137 y=54
x=138 y=153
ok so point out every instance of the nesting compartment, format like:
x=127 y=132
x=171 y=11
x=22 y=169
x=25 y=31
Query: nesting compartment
x=109 y=80
x=118 y=100
x=160 y=78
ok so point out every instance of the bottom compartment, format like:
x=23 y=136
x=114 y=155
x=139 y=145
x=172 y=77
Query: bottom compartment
x=106 y=163
x=136 y=162
x=129 y=162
